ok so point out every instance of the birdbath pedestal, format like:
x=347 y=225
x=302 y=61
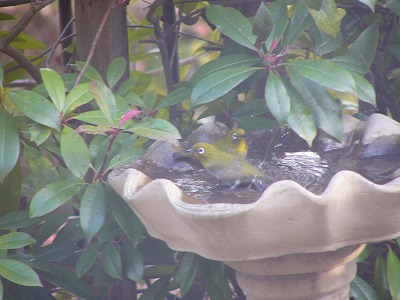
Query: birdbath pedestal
x=288 y=244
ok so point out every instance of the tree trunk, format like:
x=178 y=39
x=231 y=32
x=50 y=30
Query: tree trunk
x=113 y=41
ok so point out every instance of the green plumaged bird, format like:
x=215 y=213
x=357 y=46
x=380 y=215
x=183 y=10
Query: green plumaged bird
x=234 y=142
x=227 y=168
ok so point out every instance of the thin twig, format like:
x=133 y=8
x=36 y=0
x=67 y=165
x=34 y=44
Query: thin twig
x=184 y=18
x=182 y=62
x=199 y=38
x=58 y=41
x=5 y=41
x=161 y=43
x=94 y=44
x=40 y=55
x=23 y=22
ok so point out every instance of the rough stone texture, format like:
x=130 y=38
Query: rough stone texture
x=290 y=243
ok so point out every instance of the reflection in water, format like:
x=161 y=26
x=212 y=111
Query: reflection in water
x=306 y=168
x=369 y=148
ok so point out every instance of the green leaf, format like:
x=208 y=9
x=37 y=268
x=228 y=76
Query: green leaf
x=215 y=281
x=157 y=290
x=24 y=41
x=324 y=73
x=133 y=100
x=362 y=52
x=54 y=86
x=37 y=108
x=74 y=152
x=9 y=144
x=78 y=96
x=219 y=83
x=380 y=278
x=176 y=96
x=70 y=233
x=187 y=271
x=250 y=123
x=328 y=17
x=300 y=20
x=221 y=63
x=50 y=227
x=323 y=42
x=279 y=13
x=233 y=24
x=112 y=263
x=53 y=195
x=157 y=129
x=15 y=240
x=314 y=4
x=361 y=290
x=90 y=73
x=105 y=100
x=16 y=219
x=115 y=71
x=125 y=156
x=262 y=22
x=277 y=98
x=1 y=76
x=149 y=99
x=18 y=272
x=252 y=107
x=132 y=261
x=126 y=86
x=95 y=117
x=87 y=259
x=365 y=90
x=125 y=217
x=93 y=210
x=10 y=191
x=326 y=110
x=39 y=133
x=369 y=3
x=393 y=274
x=63 y=278
x=393 y=5
x=6 y=17
x=300 y=118
x=40 y=169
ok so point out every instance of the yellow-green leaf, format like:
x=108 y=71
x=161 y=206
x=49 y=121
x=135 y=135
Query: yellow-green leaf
x=328 y=17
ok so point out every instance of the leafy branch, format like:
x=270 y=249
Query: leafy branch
x=11 y=51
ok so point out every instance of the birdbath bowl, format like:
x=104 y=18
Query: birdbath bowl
x=288 y=244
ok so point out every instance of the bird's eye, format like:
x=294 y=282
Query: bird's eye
x=201 y=150
x=234 y=136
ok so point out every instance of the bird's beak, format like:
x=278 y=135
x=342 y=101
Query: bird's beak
x=182 y=155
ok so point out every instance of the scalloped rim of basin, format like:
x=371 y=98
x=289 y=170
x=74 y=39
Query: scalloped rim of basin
x=286 y=219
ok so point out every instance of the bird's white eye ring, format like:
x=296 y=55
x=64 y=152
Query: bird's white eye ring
x=234 y=136
x=201 y=150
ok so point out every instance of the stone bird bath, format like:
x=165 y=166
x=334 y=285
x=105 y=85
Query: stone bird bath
x=288 y=244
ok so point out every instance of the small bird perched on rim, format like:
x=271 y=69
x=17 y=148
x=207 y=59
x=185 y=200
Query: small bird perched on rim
x=227 y=168
x=234 y=142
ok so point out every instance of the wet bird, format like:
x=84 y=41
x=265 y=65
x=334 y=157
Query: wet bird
x=234 y=142
x=229 y=169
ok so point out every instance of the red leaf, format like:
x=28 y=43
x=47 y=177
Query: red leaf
x=129 y=115
x=273 y=45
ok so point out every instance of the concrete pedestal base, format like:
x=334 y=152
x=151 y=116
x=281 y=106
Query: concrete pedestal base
x=305 y=276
